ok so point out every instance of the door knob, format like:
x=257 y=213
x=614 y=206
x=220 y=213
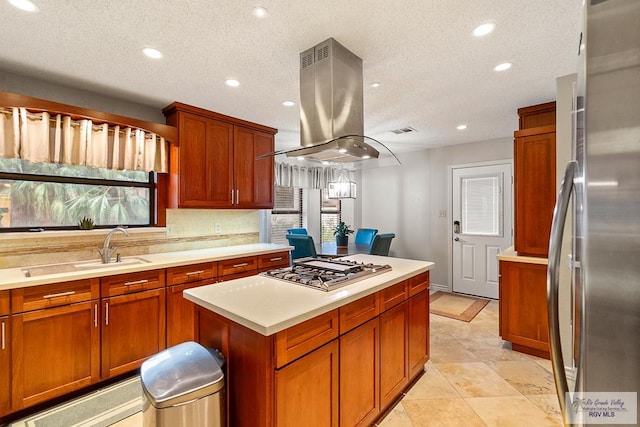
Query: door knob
x=457 y=239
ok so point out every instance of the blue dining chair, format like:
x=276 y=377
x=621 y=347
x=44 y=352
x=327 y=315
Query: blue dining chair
x=297 y=231
x=303 y=246
x=364 y=236
x=381 y=244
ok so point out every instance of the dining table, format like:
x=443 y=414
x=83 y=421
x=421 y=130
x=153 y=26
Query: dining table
x=331 y=250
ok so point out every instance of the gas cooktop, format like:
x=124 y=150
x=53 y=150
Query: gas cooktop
x=325 y=274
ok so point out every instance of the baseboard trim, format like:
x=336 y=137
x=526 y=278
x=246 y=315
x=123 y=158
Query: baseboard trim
x=433 y=287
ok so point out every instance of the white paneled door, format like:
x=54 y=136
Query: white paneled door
x=481 y=226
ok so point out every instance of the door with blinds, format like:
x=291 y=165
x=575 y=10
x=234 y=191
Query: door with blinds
x=481 y=226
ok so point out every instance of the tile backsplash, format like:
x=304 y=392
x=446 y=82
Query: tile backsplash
x=186 y=229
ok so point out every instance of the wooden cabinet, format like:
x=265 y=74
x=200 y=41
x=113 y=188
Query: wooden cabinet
x=274 y=260
x=360 y=375
x=418 y=332
x=345 y=366
x=394 y=375
x=523 y=307
x=534 y=153
x=214 y=165
x=306 y=391
x=5 y=365
x=133 y=320
x=55 y=350
x=180 y=311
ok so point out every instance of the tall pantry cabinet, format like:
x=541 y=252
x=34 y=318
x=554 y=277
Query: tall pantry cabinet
x=523 y=308
x=215 y=165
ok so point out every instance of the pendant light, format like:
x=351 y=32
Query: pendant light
x=342 y=187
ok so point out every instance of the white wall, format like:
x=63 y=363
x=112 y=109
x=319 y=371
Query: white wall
x=406 y=200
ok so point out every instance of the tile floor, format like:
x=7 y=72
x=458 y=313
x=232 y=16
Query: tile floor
x=472 y=379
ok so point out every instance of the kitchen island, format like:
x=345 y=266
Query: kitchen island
x=301 y=356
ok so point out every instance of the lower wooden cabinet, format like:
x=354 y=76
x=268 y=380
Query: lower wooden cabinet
x=55 y=351
x=360 y=375
x=418 y=332
x=133 y=329
x=523 y=307
x=394 y=375
x=180 y=318
x=343 y=367
x=5 y=365
x=307 y=390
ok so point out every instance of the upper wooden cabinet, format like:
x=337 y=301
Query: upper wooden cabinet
x=534 y=153
x=214 y=165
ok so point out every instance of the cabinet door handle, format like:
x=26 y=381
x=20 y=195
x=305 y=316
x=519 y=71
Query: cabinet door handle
x=237 y=197
x=95 y=315
x=3 y=340
x=232 y=196
x=61 y=294
x=192 y=273
x=242 y=264
x=106 y=313
x=276 y=259
x=136 y=282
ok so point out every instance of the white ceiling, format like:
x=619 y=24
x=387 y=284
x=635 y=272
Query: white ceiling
x=434 y=73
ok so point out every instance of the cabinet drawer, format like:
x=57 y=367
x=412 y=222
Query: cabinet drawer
x=45 y=296
x=4 y=303
x=393 y=295
x=418 y=283
x=279 y=259
x=300 y=339
x=191 y=273
x=237 y=265
x=131 y=282
x=358 y=312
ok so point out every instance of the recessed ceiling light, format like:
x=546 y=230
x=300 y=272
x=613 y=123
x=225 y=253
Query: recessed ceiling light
x=232 y=83
x=484 y=29
x=300 y=157
x=25 y=5
x=342 y=150
x=461 y=127
x=366 y=156
x=375 y=84
x=502 y=67
x=324 y=162
x=288 y=103
x=152 y=53
x=260 y=12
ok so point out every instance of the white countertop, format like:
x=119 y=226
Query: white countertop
x=268 y=305
x=511 y=255
x=11 y=278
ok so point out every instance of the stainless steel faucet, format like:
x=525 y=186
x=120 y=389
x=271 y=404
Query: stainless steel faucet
x=106 y=251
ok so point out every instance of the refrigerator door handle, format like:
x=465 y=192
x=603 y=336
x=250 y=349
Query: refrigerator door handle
x=553 y=272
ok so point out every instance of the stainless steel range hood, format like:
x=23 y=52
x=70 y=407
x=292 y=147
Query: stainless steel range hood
x=332 y=108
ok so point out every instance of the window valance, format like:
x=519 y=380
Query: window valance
x=56 y=138
x=311 y=177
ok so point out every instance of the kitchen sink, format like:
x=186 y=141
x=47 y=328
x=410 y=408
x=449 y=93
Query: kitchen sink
x=69 y=267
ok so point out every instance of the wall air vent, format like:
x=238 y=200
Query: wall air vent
x=404 y=130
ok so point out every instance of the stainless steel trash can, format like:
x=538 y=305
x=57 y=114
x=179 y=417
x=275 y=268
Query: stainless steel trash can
x=184 y=386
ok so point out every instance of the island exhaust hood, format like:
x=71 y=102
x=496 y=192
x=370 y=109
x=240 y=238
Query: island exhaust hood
x=332 y=108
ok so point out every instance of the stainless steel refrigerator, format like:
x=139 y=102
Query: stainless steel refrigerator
x=601 y=194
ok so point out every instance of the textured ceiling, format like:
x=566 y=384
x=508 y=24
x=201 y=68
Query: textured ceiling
x=434 y=73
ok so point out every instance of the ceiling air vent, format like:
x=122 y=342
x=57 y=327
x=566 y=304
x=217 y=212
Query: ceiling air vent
x=404 y=130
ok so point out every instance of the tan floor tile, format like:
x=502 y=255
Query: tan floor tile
x=516 y=411
x=432 y=385
x=134 y=420
x=526 y=376
x=397 y=418
x=548 y=403
x=442 y=413
x=502 y=352
x=451 y=351
x=546 y=364
x=475 y=380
